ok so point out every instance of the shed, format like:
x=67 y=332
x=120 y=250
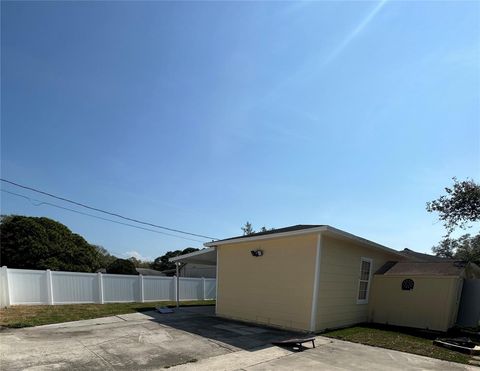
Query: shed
x=419 y=294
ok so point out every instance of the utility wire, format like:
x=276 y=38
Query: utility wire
x=94 y=216
x=106 y=212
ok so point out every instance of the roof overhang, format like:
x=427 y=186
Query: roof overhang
x=205 y=256
x=324 y=229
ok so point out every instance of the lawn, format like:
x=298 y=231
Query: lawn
x=397 y=339
x=35 y=315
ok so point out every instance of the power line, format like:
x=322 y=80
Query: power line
x=40 y=202
x=106 y=212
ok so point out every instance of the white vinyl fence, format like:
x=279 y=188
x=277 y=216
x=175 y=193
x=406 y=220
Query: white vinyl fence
x=28 y=287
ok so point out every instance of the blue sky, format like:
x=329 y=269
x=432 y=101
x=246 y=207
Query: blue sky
x=201 y=116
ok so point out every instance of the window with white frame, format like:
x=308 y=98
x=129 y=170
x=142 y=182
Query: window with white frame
x=364 y=280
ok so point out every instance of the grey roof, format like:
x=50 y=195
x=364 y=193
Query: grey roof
x=277 y=230
x=149 y=272
x=423 y=257
x=445 y=268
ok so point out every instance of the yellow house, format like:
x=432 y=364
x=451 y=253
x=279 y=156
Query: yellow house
x=314 y=277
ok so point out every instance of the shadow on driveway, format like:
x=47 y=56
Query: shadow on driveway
x=203 y=322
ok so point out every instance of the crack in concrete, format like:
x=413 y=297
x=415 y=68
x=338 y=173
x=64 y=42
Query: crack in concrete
x=110 y=366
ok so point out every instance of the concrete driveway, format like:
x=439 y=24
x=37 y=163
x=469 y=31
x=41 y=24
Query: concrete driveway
x=190 y=339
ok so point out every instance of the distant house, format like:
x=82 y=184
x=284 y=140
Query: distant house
x=315 y=277
x=193 y=271
x=142 y=271
x=149 y=272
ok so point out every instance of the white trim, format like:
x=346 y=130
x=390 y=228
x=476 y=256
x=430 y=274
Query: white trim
x=325 y=228
x=216 y=282
x=313 y=315
x=192 y=254
x=370 y=260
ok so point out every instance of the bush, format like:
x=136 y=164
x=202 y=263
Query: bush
x=122 y=266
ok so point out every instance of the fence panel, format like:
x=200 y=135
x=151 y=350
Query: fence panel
x=191 y=288
x=158 y=288
x=120 y=288
x=22 y=286
x=210 y=288
x=27 y=286
x=71 y=287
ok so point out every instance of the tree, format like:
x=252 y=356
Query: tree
x=466 y=248
x=247 y=229
x=140 y=263
x=121 y=266
x=161 y=263
x=458 y=209
x=105 y=258
x=42 y=243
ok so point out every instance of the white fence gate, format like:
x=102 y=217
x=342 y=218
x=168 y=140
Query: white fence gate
x=29 y=287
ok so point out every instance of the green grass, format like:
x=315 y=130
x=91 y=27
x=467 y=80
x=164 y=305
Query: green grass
x=397 y=339
x=36 y=315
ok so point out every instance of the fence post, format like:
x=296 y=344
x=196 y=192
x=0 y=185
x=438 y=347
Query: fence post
x=203 y=289
x=174 y=278
x=49 y=287
x=140 y=285
x=100 y=287
x=5 y=288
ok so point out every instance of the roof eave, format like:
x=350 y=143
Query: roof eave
x=192 y=254
x=321 y=229
x=264 y=237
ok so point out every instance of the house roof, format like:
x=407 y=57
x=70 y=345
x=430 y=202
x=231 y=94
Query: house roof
x=423 y=257
x=292 y=228
x=149 y=272
x=300 y=229
x=444 y=268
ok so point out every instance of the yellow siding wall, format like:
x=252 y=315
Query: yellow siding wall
x=432 y=304
x=275 y=289
x=338 y=285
